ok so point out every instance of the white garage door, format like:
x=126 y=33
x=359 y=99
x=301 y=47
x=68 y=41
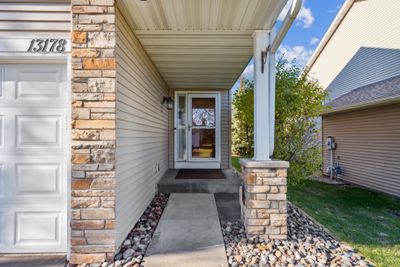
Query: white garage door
x=33 y=158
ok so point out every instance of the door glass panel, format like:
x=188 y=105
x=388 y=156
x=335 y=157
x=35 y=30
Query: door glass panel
x=203 y=127
x=181 y=129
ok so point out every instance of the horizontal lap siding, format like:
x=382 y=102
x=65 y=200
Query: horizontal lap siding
x=363 y=50
x=368 y=143
x=142 y=129
x=225 y=130
x=35 y=18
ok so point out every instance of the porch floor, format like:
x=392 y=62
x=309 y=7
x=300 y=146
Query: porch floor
x=188 y=234
x=168 y=184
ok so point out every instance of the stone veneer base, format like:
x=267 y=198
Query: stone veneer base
x=263 y=198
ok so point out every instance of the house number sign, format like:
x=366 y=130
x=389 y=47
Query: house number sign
x=47 y=46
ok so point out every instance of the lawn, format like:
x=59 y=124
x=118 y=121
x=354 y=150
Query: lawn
x=367 y=221
x=235 y=163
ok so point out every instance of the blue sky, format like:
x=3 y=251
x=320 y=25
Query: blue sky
x=303 y=37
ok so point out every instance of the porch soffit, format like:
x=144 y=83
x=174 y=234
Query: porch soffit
x=200 y=43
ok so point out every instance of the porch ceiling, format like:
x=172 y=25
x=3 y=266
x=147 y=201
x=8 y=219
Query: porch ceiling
x=200 y=44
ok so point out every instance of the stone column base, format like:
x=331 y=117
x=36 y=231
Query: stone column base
x=264 y=206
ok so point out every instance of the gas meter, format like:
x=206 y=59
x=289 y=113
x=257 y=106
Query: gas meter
x=330 y=143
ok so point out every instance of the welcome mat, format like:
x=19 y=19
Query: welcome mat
x=200 y=174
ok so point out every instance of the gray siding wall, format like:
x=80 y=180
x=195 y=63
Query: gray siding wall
x=142 y=129
x=225 y=130
x=364 y=49
x=35 y=18
x=368 y=145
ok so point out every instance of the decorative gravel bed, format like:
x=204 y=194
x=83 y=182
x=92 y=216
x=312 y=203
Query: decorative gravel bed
x=308 y=244
x=137 y=241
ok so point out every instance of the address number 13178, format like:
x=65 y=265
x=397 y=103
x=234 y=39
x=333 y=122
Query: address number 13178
x=47 y=46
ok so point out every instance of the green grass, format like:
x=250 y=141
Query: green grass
x=364 y=220
x=235 y=163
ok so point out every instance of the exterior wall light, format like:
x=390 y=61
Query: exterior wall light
x=169 y=101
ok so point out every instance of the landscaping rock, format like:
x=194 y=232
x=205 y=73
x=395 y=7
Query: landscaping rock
x=308 y=244
x=137 y=241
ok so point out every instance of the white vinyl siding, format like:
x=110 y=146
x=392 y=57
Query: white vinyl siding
x=225 y=130
x=364 y=49
x=368 y=145
x=35 y=18
x=142 y=130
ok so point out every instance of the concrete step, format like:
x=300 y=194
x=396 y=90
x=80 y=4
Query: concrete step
x=168 y=184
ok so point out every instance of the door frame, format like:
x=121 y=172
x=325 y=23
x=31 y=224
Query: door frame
x=189 y=162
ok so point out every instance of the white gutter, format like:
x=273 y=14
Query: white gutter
x=277 y=40
x=329 y=33
x=287 y=22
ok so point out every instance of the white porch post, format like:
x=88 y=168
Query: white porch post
x=262 y=97
x=264 y=211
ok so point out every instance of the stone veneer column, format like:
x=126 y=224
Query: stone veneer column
x=93 y=131
x=264 y=207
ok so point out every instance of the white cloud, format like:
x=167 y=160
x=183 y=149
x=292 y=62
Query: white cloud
x=298 y=54
x=305 y=17
x=314 y=41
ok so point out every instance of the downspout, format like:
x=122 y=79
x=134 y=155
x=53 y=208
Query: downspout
x=286 y=24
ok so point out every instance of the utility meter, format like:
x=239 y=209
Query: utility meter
x=330 y=143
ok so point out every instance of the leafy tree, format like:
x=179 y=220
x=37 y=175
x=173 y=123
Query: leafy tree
x=299 y=101
x=243 y=117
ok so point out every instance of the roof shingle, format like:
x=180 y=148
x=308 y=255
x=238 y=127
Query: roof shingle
x=382 y=89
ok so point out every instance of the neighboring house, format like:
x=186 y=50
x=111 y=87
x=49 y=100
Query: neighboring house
x=358 y=63
x=84 y=134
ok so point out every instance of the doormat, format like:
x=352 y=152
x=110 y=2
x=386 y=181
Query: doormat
x=200 y=174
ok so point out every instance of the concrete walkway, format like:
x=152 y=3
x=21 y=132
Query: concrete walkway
x=188 y=234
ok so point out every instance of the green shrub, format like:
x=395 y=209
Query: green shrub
x=299 y=102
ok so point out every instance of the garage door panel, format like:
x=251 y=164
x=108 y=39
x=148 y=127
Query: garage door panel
x=2 y=226
x=1 y=131
x=34 y=84
x=2 y=83
x=2 y=181
x=38 y=84
x=38 y=179
x=34 y=228
x=33 y=180
x=33 y=130
x=39 y=131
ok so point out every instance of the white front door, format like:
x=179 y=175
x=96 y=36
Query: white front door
x=34 y=126
x=197 y=130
